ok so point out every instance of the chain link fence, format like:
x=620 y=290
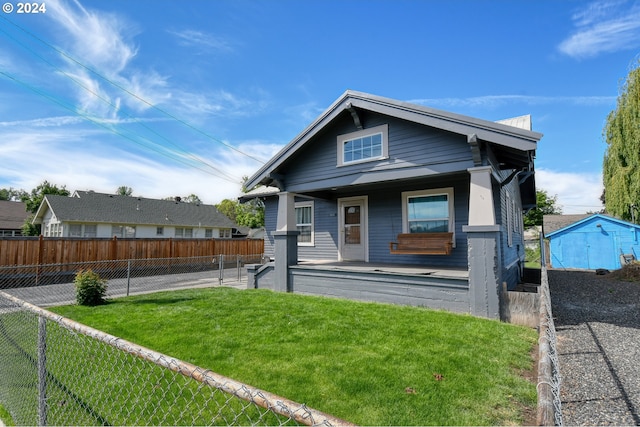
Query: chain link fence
x=52 y=284
x=54 y=371
x=549 y=379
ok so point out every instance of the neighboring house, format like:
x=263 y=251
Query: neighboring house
x=370 y=171
x=91 y=214
x=590 y=241
x=12 y=218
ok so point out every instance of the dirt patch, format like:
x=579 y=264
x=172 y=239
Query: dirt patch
x=628 y=273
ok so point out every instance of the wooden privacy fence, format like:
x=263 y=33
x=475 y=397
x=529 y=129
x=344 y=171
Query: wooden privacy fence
x=64 y=250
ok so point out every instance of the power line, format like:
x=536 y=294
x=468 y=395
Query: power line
x=108 y=102
x=220 y=174
x=183 y=122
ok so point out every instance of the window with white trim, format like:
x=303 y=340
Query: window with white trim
x=304 y=223
x=90 y=230
x=186 y=233
x=363 y=146
x=428 y=211
x=208 y=233
x=75 y=230
x=159 y=231
x=123 y=231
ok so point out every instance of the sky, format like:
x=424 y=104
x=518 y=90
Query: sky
x=180 y=97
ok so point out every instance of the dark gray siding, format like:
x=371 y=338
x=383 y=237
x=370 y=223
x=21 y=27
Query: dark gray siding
x=413 y=150
x=385 y=223
x=325 y=232
x=512 y=254
x=425 y=291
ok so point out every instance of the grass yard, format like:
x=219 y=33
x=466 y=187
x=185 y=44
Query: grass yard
x=370 y=364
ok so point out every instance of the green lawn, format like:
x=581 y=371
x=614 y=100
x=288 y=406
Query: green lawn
x=372 y=364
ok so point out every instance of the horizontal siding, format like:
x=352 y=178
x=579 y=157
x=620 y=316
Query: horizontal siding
x=385 y=223
x=325 y=232
x=436 y=293
x=410 y=145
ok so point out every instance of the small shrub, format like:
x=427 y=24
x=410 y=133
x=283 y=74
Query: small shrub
x=91 y=289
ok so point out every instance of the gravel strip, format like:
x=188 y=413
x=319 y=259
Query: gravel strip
x=597 y=320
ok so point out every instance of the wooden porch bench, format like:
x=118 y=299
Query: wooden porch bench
x=422 y=244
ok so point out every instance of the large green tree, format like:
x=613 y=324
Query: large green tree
x=546 y=205
x=32 y=203
x=621 y=165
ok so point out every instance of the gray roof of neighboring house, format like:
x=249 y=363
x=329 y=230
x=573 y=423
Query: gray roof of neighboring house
x=513 y=139
x=551 y=223
x=88 y=206
x=12 y=215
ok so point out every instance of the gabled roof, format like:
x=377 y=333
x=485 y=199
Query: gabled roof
x=585 y=219
x=551 y=223
x=512 y=139
x=12 y=215
x=88 y=206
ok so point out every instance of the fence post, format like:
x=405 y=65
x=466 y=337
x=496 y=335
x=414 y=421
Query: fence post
x=128 y=275
x=221 y=269
x=239 y=265
x=42 y=371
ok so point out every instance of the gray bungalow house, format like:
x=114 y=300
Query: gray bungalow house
x=91 y=214
x=385 y=200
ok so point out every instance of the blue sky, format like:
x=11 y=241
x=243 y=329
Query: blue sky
x=174 y=97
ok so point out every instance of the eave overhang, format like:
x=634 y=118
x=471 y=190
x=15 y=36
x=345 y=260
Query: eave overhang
x=515 y=145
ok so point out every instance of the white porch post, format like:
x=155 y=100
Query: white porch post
x=483 y=242
x=481 y=207
x=286 y=241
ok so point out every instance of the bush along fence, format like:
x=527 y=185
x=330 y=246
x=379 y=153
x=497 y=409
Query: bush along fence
x=65 y=250
x=55 y=371
x=53 y=284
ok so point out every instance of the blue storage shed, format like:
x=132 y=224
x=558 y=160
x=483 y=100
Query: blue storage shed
x=597 y=241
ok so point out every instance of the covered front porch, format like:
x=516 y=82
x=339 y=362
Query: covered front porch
x=424 y=286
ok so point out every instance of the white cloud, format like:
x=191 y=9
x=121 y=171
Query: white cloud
x=98 y=38
x=77 y=159
x=601 y=27
x=204 y=41
x=577 y=192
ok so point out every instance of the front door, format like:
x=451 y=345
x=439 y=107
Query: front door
x=353 y=229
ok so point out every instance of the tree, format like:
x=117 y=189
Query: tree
x=249 y=214
x=123 y=190
x=34 y=200
x=11 y=194
x=192 y=198
x=546 y=205
x=621 y=164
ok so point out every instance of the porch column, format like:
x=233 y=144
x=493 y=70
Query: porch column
x=481 y=207
x=485 y=269
x=285 y=241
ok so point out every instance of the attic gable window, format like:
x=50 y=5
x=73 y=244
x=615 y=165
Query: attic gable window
x=363 y=146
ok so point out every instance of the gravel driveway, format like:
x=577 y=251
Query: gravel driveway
x=597 y=320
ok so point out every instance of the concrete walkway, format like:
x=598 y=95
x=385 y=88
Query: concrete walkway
x=597 y=321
